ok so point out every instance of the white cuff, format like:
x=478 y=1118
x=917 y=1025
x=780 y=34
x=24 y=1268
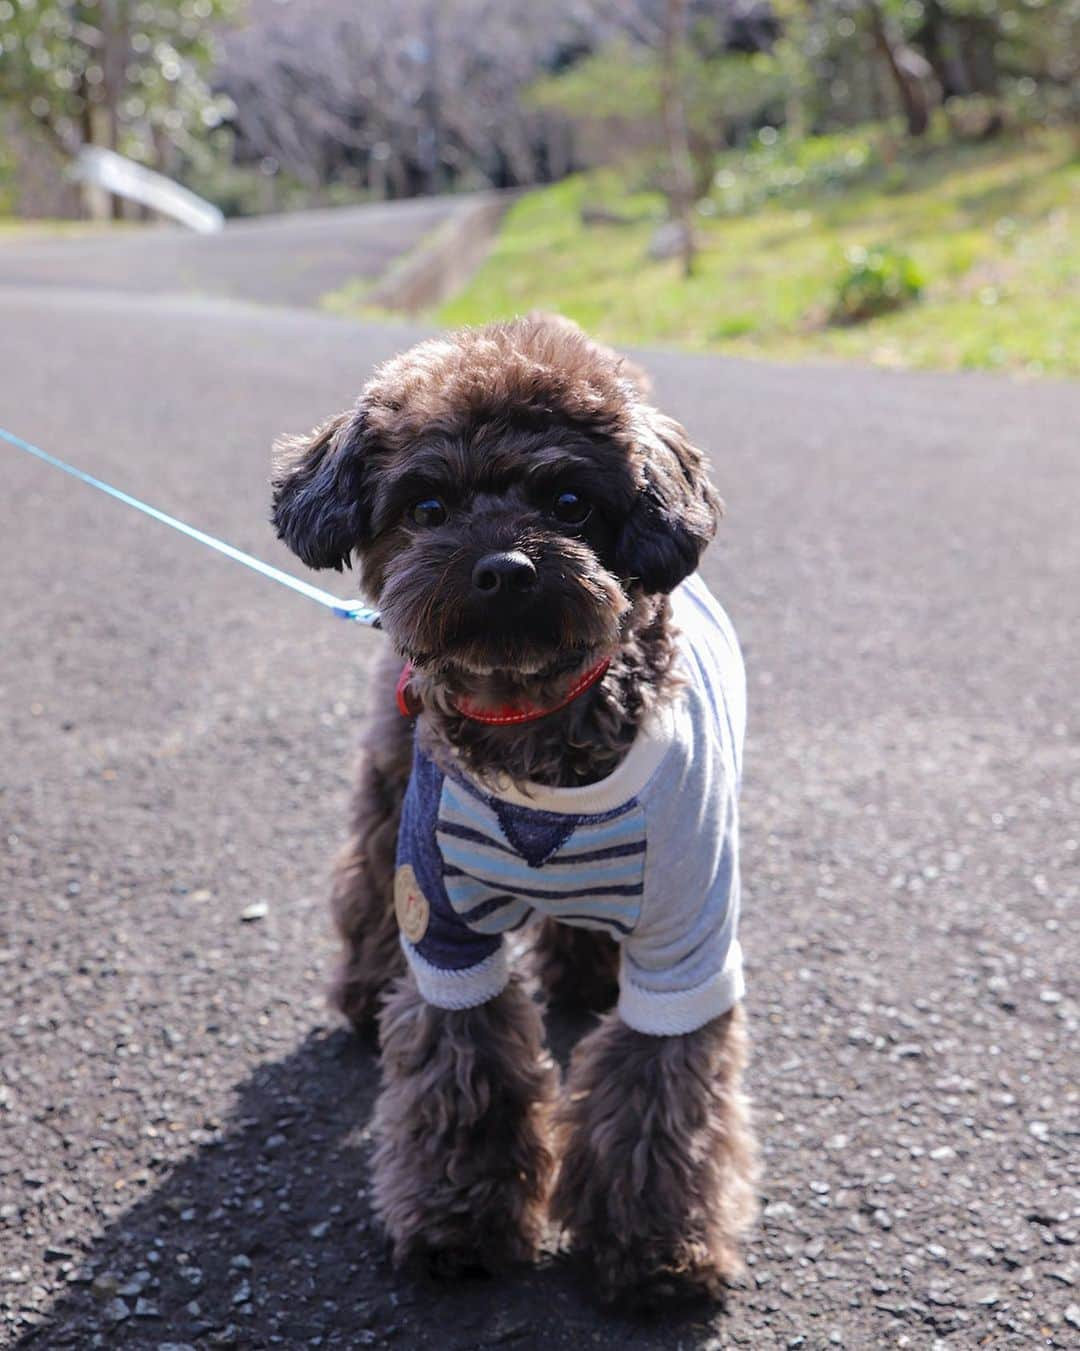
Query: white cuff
x=671 y=1013
x=458 y=989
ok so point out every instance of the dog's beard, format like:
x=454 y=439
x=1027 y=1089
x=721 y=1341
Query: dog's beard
x=430 y=612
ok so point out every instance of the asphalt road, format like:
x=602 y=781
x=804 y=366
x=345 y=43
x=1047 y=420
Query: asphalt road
x=183 y=1128
x=290 y=259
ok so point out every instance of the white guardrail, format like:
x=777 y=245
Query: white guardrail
x=112 y=172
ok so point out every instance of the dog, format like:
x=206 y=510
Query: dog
x=555 y=736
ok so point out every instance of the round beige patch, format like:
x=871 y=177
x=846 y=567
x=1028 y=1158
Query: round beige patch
x=410 y=904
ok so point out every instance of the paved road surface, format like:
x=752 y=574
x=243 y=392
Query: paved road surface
x=183 y=1129
x=292 y=259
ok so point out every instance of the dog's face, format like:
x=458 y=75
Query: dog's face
x=506 y=490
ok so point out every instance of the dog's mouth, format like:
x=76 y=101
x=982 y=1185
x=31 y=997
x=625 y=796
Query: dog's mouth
x=479 y=662
x=539 y=643
x=570 y=619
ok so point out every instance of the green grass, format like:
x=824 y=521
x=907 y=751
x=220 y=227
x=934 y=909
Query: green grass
x=991 y=227
x=17 y=229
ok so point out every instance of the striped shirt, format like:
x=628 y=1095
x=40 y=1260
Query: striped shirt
x=648 y=855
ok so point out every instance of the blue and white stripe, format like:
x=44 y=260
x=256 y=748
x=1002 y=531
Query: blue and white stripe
x=593 y=878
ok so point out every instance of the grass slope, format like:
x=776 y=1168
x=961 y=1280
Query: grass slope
x=992 y=227
x=20 y=230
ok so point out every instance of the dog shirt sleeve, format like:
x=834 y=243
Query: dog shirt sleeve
x=454 y=967
x=682 y=965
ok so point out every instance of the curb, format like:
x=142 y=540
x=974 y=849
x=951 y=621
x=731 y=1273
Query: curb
x=445 y=260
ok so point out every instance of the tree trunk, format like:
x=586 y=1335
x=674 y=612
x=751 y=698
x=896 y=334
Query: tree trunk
x=431 y=133
x=938 y=41
x=911 y=72
x=114 y=54
x=681 y=191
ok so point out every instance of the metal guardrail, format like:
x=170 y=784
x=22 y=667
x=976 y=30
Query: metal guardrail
x=114 y=173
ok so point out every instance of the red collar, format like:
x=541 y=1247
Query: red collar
x=504 y=715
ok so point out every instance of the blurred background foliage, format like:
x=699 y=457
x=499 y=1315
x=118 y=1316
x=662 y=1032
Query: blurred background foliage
x=764 y=174
x=126 y=74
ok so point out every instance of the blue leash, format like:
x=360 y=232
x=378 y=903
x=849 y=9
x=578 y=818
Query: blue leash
x=344 y=609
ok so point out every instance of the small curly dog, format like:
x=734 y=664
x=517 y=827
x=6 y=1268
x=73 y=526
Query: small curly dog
x=562 y=746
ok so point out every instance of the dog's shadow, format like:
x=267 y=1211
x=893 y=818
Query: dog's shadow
x=265 y=1237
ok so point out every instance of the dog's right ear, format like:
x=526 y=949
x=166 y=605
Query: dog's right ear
x=320 y=508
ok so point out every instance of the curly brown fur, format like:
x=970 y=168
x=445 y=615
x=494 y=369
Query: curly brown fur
x=577 y=968
x=362 y=895
x=462 y=1162
x=658 y=1159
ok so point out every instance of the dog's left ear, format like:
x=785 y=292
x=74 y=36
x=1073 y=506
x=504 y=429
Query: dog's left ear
x=320 y=506
x=677 y=510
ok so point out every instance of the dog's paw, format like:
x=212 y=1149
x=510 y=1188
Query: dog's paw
x=455 y=1264
x=466 y=1255
x=643 y=1280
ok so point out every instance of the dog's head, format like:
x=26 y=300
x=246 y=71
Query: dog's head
x=506 y=491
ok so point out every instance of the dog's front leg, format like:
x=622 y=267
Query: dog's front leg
x=462 y=1160
x=658 y=1159
x=362 y=898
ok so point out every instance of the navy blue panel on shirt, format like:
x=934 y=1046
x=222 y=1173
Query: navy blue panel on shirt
x=534 y=835
x=447 y=944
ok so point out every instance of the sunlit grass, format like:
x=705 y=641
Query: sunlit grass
x=991 y=227
x=23 y=230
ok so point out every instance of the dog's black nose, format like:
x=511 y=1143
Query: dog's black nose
x=505 y=572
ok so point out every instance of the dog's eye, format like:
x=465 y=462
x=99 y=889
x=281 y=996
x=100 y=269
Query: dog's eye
x=571 y=509
x=428 y=511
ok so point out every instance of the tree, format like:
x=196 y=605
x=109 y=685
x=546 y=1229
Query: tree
x=997 y=47
x=402 y=96
x=912 y=73
x=616 y=99
x=127 y=74
x=681 y=187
